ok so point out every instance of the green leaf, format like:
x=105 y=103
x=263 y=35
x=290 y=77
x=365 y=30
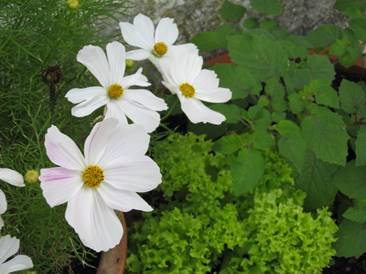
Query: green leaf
x=247 y=171
x=262 y=138
x=352 y=96
x=320 y=68
x=355 y=214
x=229 y=144
x=351 y=7
x=291 y=145
x=277 y=93
x=324 y=93
x=212 y=40
x=351 y=239
x=296 y=103
x=263 y=57
x=231 y=12
x=315 y=178
x=361 y=147
x=237 y=79
x=339 y=47
x=267 y=7
x=358 y=26
x=351 y=181
x=232 y=112
x=326 y=135
x=324 y=35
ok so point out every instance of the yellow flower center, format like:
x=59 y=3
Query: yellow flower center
x=115 y=91
x=31 y=176
x=93 y=176
x=160 y=48
x=73 y=4
x=187 y=90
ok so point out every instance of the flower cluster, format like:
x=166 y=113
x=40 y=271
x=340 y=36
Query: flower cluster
x=9 y=246
x=114 y=167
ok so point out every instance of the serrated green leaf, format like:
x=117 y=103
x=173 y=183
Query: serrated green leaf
x=267 y=7
x=320 y=68
x=324 y=35
x=232 y=112
x=231 y=12
x=262 y=138
x=247 y=171
x=352 y=96
x=351 y=7
x=351 y=181
x=296 y=104
x=358 y=26
x=315 y=178
x=324 y=93
x=277 y=93
x=229 y=144
x=326 y=135
x=351 y=239
x=355 y=214
x=361 y=147
x=339 y=47
x=212 y=40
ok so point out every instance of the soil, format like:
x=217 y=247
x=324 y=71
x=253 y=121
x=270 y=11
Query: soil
x=348 y=265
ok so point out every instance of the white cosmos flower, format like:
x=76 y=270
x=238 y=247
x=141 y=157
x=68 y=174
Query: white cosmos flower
x=9 y=246
x=183 y=75
x=11 y=177
x=154 y=44
x=113 y=168
x=115 y=92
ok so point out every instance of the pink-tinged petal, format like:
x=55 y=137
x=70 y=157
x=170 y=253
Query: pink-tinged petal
x=96 y=142
x=59 y=184
x=197 y=112
x=116 y=55
x=122 y=200
x=145 y=98
x=96 y=224
x=18 y=263
x=140 y=174
x=3 y=202
x=96 y=62
x=140 y=115
x=138 y=54
x=11 y=177
x=166 y=31
x=87 y=107
x=8 y=247
x=78 y=95
x=136 y=79
x=130 y=141
x=62 y=151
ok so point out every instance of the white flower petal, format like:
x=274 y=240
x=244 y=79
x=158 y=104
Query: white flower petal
x=145 y=27
x=138 y=54
x=1 y=222
x=96 y=224
x=8 y=247
x=146 y=98
x=122 y=200
x=116 y=55
x=217 y=95
x=125 y=144
x=97 y=140
x=197 y=112
x=62 y=151
x=95 y=60
x=59 y=184
x=20 y=262
x=136 y=79
x=3 y=202
x=166 y=31
x=78 y=95
x=206 y=79
x=87 y=107
x=147 y=118
x=140 y=174
x=113 y=110
x=11 y=177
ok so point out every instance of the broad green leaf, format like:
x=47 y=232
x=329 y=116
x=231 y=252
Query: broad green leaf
x=229 y=144
x=351 y=7
x=296 y=103
x=250 y=23
x=358 y=26
x=326 y=135
x=237 y=79
x=247 y=171
x=232 y=112
x=361 y=147
x=212 y=40
x=267 y=7
x=355 y=214
x=351 y=181
x=352 y=96
x=231 y=12
x=263 y=57
x=320 y=68
x=315 y=178
x=291 y=144
x=324 y=35
x=324 y=93
x=339 y=47
x=262 y=138
x=351 y=239
x=277 y=93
